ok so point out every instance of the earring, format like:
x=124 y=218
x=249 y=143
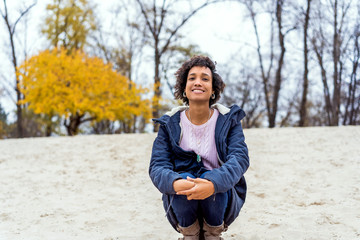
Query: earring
x=184 y=94
x=213 y=96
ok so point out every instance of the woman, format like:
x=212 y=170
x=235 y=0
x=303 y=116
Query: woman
x=199 y=156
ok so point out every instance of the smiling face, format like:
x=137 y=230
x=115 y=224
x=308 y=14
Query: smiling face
x=199 y=84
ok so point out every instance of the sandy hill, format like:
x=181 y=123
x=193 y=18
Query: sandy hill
x=303 y=183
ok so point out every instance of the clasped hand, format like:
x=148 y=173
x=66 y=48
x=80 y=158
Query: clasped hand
x=197 y=189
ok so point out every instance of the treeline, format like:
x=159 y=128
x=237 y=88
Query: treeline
x=303 y=66
x=300 y=67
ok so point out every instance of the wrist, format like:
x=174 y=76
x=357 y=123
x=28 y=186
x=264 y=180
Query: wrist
x=174 y=184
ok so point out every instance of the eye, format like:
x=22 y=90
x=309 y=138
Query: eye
x=205 y=79
x=191 y=78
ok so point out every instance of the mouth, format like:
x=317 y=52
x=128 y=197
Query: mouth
x=197 y=90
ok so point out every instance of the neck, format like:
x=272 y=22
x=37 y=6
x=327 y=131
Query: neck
x=200 y=114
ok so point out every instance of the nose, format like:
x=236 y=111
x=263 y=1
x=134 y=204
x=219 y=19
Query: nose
x=197 y=82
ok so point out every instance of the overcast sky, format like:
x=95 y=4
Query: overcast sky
x=218 y=29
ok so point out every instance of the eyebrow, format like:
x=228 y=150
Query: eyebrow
x=201 y=74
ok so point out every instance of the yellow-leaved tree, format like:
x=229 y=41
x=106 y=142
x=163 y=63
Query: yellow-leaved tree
x=80 y=88
x=69 y=23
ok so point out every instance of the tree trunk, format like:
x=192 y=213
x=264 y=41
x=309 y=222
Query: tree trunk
x=303 y=107
x=19 y=121
x=75 y=121
x=73 y=125
x=350 y=108
x=328 y=105
x=278 y=77
x=336 y=56
x=11 y=30
x=264 y=76
x=48 y=130
x=157 y=92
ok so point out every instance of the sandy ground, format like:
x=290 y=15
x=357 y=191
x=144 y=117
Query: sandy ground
x=303 y=183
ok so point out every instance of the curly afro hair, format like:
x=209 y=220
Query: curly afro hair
x=182 y=73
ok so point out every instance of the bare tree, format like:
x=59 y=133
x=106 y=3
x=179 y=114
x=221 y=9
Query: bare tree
x=271 y=85
x=352 y=106
x=162 y=35
x=245 y=94
x=242 y=89
x=318 y=44
x=280 y=62
x=338 y=46
x=11 y=27
x=303 y=105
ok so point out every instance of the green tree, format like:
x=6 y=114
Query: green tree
x=3 y=122
x=3 y=114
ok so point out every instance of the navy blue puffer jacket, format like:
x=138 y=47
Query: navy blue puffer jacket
x=168 y=159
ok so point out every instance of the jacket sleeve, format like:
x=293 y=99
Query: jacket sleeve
x=236 y=162
x=161 y=168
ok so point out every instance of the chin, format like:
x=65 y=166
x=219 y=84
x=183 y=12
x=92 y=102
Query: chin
x=199 y=100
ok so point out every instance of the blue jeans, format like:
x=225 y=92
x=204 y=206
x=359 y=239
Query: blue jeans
x=212 y=209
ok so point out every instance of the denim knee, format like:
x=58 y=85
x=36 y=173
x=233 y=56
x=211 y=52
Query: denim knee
x=186 y=211
x=213 y=208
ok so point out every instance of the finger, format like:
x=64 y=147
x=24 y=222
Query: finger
x=190 y=179
x=184 y=192
x=192 y=197
x=195 y=197
x=195 y=180
x=199 y=180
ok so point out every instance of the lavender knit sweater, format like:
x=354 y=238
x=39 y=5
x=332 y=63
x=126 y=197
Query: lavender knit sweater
x=200 y=139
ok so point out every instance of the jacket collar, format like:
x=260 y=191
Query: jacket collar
x=221 y=108
x=171 y=121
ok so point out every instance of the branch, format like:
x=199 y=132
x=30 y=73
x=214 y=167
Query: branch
x=23 y=14
x=87 y=119
x=6 y=19
x=154 y=20
x=146 y=18
x=289 y=30
x=182 y=23
x=344 y=12
x=271 y=49
x=163 y=12
x=264 y=77
x=6 y=88
x=3 y=14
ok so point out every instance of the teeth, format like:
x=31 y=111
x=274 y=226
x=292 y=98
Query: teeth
x=198 y=91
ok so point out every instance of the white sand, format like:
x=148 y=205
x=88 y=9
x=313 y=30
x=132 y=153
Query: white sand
x=303 y=183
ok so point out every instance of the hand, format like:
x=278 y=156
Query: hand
x=203 y=189
x=182 y=184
